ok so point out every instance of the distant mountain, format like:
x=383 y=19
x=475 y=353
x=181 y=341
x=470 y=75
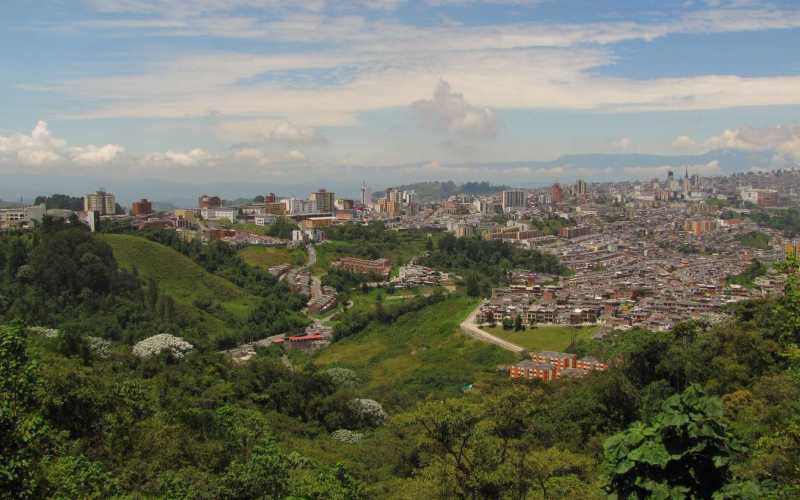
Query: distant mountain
x=439 y=190
x=8 y=204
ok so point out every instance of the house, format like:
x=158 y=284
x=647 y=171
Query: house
x=530 y=370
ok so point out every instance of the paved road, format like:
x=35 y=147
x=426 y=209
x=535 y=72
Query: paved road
x=312 y=255
x=469 y=327
x=316 y=283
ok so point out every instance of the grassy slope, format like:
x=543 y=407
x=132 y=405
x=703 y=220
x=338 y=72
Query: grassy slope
x=545 y=338
x=266 y=257
x=422 y=354
x=181 y=278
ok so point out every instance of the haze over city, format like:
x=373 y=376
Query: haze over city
x=308 y=93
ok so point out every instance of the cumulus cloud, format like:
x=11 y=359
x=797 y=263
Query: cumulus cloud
x=94 y=155
x=449 y=111
x=684 y=143
x=41 y=148
x=295 y=155
x=784 y=139
x=623 y=144
x=270 y=131
x=288 y=133
x=193 y=158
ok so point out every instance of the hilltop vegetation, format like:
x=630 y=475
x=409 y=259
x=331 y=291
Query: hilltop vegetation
x=372 y=241
x=702 y=411
x=419 y=355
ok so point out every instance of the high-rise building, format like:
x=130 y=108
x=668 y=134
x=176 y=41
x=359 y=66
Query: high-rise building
x=556 y=194
x=270 y=198
x=581 y=188
x=100 y=202
x=141 y=207
x=207 y=201
x=515 y=198
x=325 y=201
x=363 y=193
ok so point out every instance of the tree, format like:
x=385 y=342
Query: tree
x=473 y=285
x=152 y=294
x=264 y=475
x=686 y=451
x=518 y=323
x=22 y=427
x=508 y=323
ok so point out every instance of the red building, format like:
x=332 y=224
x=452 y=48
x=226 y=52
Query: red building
x=590 y=363
x=558 y=359
x=141 y=207
x=556 y=193
x=530 y=370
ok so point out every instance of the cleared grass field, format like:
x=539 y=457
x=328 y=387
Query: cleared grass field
x=408 y=247
x=545 y=338
x=266 y=257
x=177 y=275
x=421 y=355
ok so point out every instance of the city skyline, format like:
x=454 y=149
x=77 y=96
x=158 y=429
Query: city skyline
x=303 y=93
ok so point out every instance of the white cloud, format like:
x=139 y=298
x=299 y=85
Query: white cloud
x=94 y=155
x=193 y=158
x=41 y=149
x=295 y=155
x=784 y=139
x=450 y=111
x=684 y=143
x=288 y=133
x=269 y=131
x=623 y=144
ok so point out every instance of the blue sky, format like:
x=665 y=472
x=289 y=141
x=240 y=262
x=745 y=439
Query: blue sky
x=232 y=90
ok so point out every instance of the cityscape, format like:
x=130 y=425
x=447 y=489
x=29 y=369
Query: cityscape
x=400 y=249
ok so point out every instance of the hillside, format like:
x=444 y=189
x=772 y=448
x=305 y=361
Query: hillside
x=182 y=279
x=436 y=190
x=422 y=354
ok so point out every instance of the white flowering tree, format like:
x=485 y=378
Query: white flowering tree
x=343 y=377
x=155 y=345
x=369 y=411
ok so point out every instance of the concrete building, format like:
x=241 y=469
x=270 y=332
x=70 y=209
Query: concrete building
x=760 y=197
x=381 y=267
x=229 y=214
x=325 y=201
x=13 y=217
x=513 y=199
x=699 y=226
x=556 y=194
x=141 y=207
x=100 y=202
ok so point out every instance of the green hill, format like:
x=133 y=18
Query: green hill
x=422 y=354
x=182 y=279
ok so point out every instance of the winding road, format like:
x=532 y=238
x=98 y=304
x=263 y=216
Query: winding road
x=470 y=327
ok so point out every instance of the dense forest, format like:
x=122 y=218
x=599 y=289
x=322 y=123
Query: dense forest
x=701 y=411
x=486 y=263
x=787 y=220
x=61 y=201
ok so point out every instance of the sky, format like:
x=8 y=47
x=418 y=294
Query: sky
x=309 y=93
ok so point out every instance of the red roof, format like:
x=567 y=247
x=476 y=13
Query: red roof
x=306 y=338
